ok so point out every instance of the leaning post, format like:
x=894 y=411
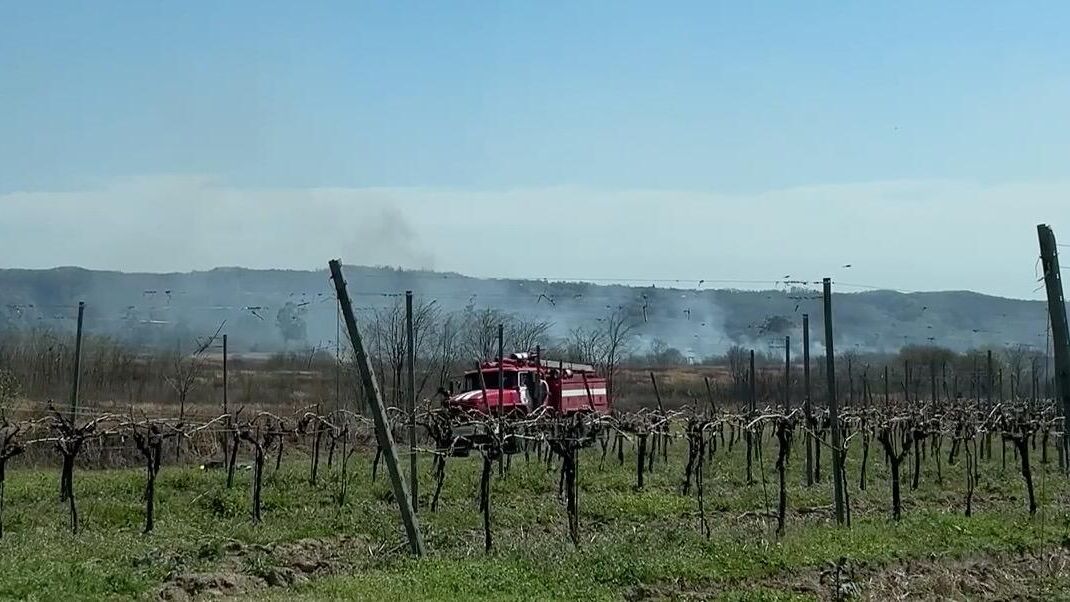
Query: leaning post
x=382 y=428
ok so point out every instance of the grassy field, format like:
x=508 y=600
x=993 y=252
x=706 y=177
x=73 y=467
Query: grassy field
x=635 y=545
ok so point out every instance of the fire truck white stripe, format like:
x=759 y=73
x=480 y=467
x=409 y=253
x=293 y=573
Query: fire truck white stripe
x=582 y=392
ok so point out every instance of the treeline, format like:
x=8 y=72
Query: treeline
x=913 y=373
x=37 y=365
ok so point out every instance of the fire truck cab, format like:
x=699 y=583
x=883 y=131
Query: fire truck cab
x=528 y=384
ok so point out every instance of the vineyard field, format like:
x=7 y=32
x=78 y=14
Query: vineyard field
x=633 y=544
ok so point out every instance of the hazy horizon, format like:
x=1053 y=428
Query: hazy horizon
x=779 y=286
x=920 y=143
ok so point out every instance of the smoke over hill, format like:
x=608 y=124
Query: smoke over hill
x=269 y=310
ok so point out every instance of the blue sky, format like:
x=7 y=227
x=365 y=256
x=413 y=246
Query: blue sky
x=717 y=105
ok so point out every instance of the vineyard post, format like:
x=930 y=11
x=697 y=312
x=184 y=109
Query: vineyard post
x=501 y=397
x=1057 y=310
x=834 y=409
x=906 y=381
x=711 y=407
x=501 y=370
x=382 y=427
x=752 y=405
x=850 y=401
x=750 y=414
x=226 y=402
x=787 y=374
x=808 y=409
x=657 y=393
x=77 y=360
x=231 y=441
x=410 y=361
x=932 y=381
x=988 y=380
x=337 y=361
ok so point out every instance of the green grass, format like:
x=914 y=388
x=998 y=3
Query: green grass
x=634 y=543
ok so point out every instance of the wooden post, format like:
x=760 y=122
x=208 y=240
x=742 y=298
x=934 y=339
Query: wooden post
x=382 y=427
x=410 y=385
x=808 y=408
x=77 y=362
x=834 y=408
x=1049 y=256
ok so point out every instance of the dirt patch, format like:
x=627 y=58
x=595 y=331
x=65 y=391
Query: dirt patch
x=1004 y=577
x=241 y=568
x=1028 y=576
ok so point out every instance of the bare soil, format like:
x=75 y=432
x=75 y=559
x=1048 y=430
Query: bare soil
x=1040 y=575
x=242 y=569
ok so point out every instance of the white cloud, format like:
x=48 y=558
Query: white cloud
x=917 y=235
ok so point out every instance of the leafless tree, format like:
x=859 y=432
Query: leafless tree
x=524 y=335
x=619 y=328
x=183 y=372
x=433 y=345
x=480 y=333
x=10 y=389
x=587 y=345
x=1017 y=358
x=738 y=366
x=479 y=338
x=9 y=448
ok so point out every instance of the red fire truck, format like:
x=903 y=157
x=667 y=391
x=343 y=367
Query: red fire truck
x=528 y=384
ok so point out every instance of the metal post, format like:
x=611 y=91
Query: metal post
x=787 y=374
x=501 y=371
x=501 y=398
x=750 y=414
x=382 y=427
x=77 y=361
x=410 y=361
x=806 y=361
x=932 y=381
x=1057 y=311
x=834 y=408
x=906 y=380
x=850 y=384
x=337 y=360
x=752 y=405
x=657 y=393
x=808 y=408
x=226 y=406
x=988 y=380
x=711 y=408
x=537 y=392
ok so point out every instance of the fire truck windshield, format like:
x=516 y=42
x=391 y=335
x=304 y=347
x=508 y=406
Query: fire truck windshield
x=471 y=380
